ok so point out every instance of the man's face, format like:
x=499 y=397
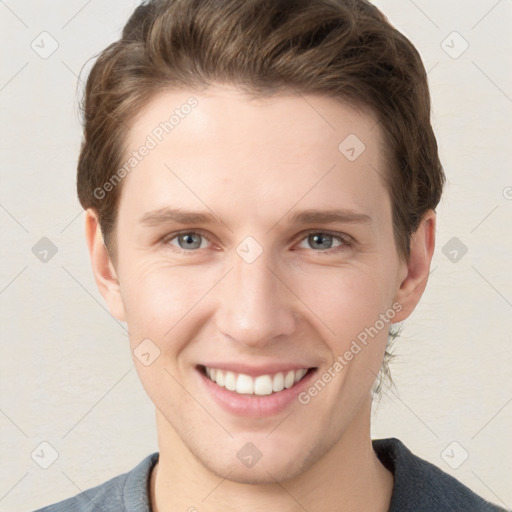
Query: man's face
x=257 y=289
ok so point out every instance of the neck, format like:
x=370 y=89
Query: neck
x=348 y=477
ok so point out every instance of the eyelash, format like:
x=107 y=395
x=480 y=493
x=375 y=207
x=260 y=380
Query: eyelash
x=346 y=240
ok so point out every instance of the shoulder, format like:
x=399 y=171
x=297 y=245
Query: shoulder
x=420 y=486
x=124 y=493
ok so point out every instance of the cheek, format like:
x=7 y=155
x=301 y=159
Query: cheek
x=339 y=302
x=344 y=300
x=157 y=295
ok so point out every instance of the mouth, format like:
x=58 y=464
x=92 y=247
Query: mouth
x=257 y=385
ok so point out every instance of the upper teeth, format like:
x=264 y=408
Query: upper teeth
x=261 y=385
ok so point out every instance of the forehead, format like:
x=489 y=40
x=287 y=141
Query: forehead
x=257 y=152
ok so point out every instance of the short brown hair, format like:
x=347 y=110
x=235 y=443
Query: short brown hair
x=344 y=49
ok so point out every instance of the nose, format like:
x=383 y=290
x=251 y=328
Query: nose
x=255 y=307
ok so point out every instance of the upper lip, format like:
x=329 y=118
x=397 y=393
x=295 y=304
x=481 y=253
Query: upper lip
x=253 y=370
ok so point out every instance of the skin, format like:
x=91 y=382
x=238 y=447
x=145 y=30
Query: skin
x=254 y=163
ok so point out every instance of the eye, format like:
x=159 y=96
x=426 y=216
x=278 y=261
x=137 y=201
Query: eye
x=187 y=240
x=325 y=241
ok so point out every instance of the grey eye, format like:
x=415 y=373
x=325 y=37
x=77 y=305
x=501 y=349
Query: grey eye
x=323 y=241
x=189 y=241
x=320 y=241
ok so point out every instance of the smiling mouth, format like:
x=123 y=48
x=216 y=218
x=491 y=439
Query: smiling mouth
x=260 y=385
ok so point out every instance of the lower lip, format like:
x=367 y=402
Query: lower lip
x=255 y=406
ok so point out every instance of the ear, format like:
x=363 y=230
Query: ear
x=103 y=269
x=417 y=267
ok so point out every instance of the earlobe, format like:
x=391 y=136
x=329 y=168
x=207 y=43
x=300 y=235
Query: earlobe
x=104 y=272
x=422 y=246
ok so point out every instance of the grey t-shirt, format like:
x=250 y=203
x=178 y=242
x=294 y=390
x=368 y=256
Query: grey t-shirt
x=418 y=487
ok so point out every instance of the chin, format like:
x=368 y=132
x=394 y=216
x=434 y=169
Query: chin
x=271 y=467
x=260 y=474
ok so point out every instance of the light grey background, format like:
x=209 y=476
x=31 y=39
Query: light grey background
x=66 y=372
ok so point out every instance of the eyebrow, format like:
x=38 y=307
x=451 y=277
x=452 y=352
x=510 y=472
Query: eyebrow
x=166 y=215
x=329 y=217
